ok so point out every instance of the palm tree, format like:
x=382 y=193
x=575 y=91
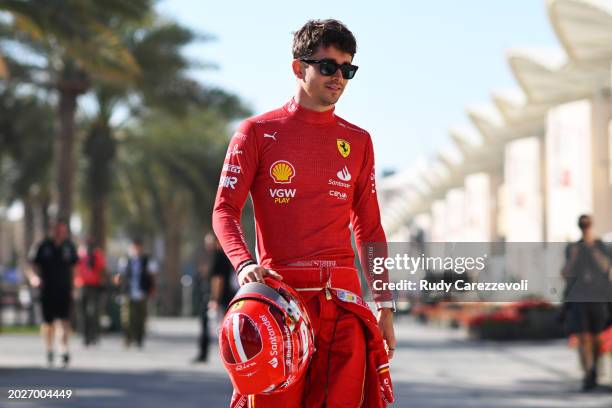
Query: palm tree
x=163 y=85
x=26 y=134
x=70 y=44
x=156 y=48
x=168 y=172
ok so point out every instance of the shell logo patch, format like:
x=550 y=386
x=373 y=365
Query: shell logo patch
x=237 y=305
x=344 y=147
x=282 y=172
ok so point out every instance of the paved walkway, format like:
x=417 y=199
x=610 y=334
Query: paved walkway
x=433 y=368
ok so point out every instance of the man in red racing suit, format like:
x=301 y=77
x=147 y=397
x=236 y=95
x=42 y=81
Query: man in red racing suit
x=311 y=175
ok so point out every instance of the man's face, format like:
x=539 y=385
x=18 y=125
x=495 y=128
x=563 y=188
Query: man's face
x=585 y=224
x=60 y=231
x=136 y=249
x=325 y=90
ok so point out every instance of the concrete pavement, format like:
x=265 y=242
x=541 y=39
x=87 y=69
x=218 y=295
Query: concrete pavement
x=433 y=368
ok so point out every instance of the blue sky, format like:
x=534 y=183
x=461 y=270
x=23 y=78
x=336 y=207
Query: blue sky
x=421 y=62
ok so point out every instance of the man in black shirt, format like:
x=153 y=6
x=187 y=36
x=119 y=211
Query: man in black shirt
x=588 y=291
x=54 y=259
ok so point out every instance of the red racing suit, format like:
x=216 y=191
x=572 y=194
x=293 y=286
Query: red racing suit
x=310 y=175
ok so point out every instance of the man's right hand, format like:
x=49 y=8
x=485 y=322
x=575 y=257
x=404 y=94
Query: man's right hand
x=256 y=273
x=35 y=281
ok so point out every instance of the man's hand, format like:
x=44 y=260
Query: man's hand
x=256 y=273
x=34 y=281
x=385 y=324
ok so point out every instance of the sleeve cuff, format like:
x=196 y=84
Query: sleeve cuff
x=243 y=264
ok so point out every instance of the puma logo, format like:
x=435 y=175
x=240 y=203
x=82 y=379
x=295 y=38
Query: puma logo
x=272 y=136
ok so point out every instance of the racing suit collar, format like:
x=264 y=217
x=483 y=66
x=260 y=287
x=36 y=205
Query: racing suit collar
x=308 y=115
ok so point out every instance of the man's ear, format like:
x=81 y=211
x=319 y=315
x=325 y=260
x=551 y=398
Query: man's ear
x=298 y=69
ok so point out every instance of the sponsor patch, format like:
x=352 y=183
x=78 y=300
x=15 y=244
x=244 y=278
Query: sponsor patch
x=344 y=174
x=271 y=336
x=228 y=182
x=270 y=136
x=373 y=180
x=232 y=168
x=244 y=366
x=282 y=172
x=337 y=183
x=239 y=135
x=338 y=194
x=282 y=195
x=233 y=151
x=346 y=296
x=344 y=147
x=274 y=362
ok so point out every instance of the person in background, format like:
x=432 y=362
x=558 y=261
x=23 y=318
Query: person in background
x=216 y=272
x=136 y=279
x=90 y=278
x=53 y=260
x=586 y=273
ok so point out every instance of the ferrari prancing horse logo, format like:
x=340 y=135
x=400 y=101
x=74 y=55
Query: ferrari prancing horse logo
x=343 y=147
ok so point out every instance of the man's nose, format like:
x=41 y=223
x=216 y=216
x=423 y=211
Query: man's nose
x=338 y=74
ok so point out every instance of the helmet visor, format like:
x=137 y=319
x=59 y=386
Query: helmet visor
x=241 y=339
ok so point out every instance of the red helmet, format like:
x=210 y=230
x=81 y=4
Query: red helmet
x=266 y=339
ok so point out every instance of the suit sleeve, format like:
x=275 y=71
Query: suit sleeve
x=237 y=175
x=35 y=254
x=365 y=217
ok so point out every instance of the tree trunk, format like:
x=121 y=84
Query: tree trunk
x=28 y=228
x=73 y=82
x=29 y=231
x=45 y=222
x=173 y=239
x=65 y=153
x=100 y=149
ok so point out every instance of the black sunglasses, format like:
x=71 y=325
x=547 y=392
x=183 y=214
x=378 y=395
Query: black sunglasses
x=328 y=67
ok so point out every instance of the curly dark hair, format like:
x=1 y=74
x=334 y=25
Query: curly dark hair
x=323 y=32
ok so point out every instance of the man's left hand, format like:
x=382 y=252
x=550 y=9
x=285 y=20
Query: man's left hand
x=385 y=324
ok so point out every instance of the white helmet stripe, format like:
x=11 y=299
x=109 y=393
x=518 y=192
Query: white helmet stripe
x=237 y=339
